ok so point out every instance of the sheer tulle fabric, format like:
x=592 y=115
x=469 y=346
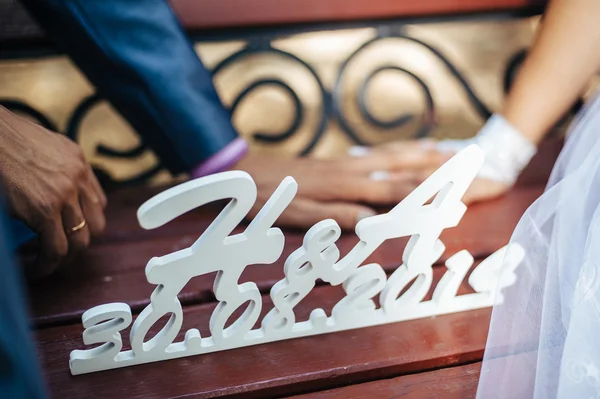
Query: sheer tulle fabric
x=544 y=341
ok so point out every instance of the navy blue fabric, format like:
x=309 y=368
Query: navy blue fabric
x=139 y=58
x=19 y=232
x=19 y=371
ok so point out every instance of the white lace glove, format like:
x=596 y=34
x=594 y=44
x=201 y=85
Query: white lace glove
x=506 y=151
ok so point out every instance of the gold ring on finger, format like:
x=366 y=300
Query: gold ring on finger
x=78 y=227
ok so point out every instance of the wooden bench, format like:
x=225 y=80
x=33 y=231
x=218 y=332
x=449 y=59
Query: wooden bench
x=432 y=357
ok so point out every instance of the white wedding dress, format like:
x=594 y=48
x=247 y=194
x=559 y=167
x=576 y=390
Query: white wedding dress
x=544 y=341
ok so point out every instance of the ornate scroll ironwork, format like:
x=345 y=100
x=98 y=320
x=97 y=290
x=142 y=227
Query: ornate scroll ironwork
x=261 y=46
x=331 y=101
x=428 y=119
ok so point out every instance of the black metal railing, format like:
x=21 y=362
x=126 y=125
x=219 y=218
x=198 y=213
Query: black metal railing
x=331 y=99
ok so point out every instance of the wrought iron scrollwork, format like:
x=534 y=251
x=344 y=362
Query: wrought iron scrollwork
x=331 y=101
x=253 y=48
x=428 y=118
x=298 y=115
x=512 y=67
x=261 y=46
x=73 y=127
x=366 y=113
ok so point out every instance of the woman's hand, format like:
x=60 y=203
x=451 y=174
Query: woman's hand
x=481 y=189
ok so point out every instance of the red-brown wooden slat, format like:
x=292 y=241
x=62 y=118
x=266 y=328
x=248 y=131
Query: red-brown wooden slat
x=280 y=368
x=114 y=272
x=449 y=383
x=539 y=169
x=207 y=14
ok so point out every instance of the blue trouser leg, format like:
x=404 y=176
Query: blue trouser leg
x=19 y=372
x=137 y=55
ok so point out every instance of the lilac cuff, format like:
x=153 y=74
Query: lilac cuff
x=222 y=159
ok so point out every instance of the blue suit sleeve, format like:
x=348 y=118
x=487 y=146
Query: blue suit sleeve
x=139 y=58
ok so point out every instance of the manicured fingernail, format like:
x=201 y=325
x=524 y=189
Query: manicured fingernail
x=358 y=151
x=379 y=175
x=428 y=144
x=364 y=214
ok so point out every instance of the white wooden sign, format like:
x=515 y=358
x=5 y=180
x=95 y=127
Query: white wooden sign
x=216 y=250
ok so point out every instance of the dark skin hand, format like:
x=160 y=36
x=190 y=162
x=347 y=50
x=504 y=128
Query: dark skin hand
x=48 y=184
x=341 y=188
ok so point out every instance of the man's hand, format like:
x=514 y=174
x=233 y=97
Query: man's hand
x=49 y=185
x=342 y=188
